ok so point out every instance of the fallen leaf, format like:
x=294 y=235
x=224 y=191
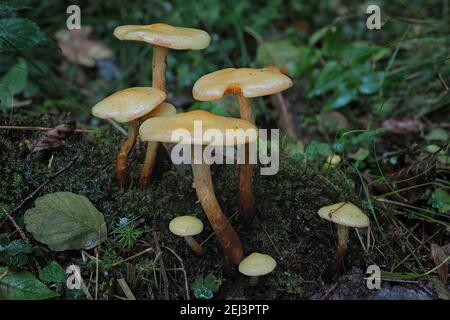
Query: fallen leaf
x=78 y=48
x=439 y=257
x=405 y=125
x=66 y=221
x=54 y=137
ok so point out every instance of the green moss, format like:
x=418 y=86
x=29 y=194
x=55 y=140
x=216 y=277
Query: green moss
x=286 y=227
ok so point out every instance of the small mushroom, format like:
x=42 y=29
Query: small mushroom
x=256 y=265
x=127 y=106
x=332 y=161
x=245 y=83
x=345 y=215
x=187 y=227
x=164 y=109
x=162 y=128
x=163 y=37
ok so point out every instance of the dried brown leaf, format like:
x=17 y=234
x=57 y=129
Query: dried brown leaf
x=54 y=137
x=439 y=257
x=405 y=125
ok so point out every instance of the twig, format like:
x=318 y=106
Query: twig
x=126 y=289
x=329 y=290
x=132 y=257
x=39 y=129
x=181 y=269
x=286 y=115
x=161 y=262
x=96 y=271
x=119 y=128
x=46 y=182
x=444 y=83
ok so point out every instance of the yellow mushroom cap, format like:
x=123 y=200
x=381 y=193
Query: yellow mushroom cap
x=164 y=109
x=165 y=35
x=185 y=226
x=257 y=264
x=345 y=214
x=129 y=104
x=162 y=129
x=246 y=81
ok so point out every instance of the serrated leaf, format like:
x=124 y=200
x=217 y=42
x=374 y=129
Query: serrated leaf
x=22 y=285
x=66 y=221
x=53 y=273
x=18 y=34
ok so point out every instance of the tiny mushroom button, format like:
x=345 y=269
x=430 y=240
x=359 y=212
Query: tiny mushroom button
x=245 y=83
x=187 y=227
x=163 y=37
x=257 y=264
x=128 y=105
x=162 y=129
x=345 y=215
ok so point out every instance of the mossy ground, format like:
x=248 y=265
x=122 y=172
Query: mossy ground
x=286 y=227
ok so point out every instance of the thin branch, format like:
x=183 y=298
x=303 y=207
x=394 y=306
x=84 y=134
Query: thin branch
x=39 y=129
x=118 y=127
x=161 y=262
x=46 y=182
x=444 y=83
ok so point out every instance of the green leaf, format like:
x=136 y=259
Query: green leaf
x=53 y=273
x=437 y=134
x=14 y=82
x=360 y=155
x=203 y=294
x=315 y=149
x=279 y=53
x=340 y=98
x=18 y=34
x=371 y=82
x=66 y=221
x=440 y=200
x=22 y=286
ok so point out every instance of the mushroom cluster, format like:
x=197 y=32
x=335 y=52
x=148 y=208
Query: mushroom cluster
x=155 y=121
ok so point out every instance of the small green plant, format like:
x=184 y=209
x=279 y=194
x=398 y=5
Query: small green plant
x=15 y=253
x=205 y=287
x=127 y=234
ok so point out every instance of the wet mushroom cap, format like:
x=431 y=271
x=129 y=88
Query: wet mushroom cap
x=129 y=104
x=165 y=35
x=232 y=130
x=164 y=109
x=185 y=226
x=257 y=264
x=249 y=82
x=345 y=214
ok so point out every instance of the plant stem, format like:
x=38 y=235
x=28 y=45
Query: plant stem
x=159 y=67
x=198 y=249
x=149 y=164
x=341 y=250
x=246 y=202
x=226 y=235
x=122 y=158
x=253 y=281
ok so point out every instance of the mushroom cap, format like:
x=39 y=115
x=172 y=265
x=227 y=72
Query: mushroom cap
x=345 y=214
x=165 y=35
x=257 y=264
x=161 y=129
x=249 y=82
x=185 y=226
x=164 y=109
x=333 y=159
x=129 y=104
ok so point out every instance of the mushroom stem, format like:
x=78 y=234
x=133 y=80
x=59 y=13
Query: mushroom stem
x=149 y=164
x=226 y=235
x=341 y=250
x=253 y=281
x=198 y=249
x=159 y=67
x=122 y=158
x=245 y=194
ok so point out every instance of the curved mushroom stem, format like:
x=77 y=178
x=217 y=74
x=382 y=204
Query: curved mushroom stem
x=198 y=249
x=226 y=235
x=149 y=164
x=246 y=202
x=122 y=158
x=253 y=280
x=341 y=250
x=159 y=67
